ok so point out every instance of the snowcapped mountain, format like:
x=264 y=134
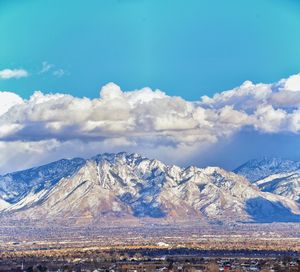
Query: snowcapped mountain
x=285 y=184
x=258 y=169
x=274 y=175
x=128 y=186
x=14 y=186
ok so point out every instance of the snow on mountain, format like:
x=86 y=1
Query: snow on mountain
x=3 y=204
x=284 y=184
x=128 y=186
x=15 y=186
x=258 y=169
x=277 y=176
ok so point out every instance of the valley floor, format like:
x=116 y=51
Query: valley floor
x=30 y=239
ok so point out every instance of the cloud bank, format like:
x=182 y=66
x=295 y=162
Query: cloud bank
x=49 y=126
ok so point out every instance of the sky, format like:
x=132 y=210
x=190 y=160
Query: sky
x=205 y=82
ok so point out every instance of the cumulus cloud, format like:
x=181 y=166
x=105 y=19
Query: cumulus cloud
x=143 y=120
x=8 y=100
x=292 y=83
x=272 y=108
x=284 y=94
x=13 y=73
x=139 y=114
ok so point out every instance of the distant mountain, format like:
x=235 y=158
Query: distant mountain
x=284 y=184
x=15 y=186
x=278 y=176
x=258 y=169
x=125 y=186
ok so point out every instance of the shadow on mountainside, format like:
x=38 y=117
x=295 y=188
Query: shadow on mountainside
x=265 y=211
x=141 y=207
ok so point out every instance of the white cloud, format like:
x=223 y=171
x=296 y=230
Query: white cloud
x=46 y=67
x=270 y=120
x=292 y=83
x=51 y=68
x=8 y=100
x=284 y=93
x=143 y=120
x=59 y=72
x=13 y=73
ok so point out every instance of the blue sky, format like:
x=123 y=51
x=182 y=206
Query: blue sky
x=70 y=50
x=188 y=48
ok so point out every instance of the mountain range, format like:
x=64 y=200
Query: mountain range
x=121 y=187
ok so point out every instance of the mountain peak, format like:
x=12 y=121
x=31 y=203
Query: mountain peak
x=121 y=157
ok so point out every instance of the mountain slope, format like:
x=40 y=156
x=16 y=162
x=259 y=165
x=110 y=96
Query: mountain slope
x=258 y=169
x=3 y=204
x=15 y=186
x=277 y=176
x=128 y=186
x=284 y=184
